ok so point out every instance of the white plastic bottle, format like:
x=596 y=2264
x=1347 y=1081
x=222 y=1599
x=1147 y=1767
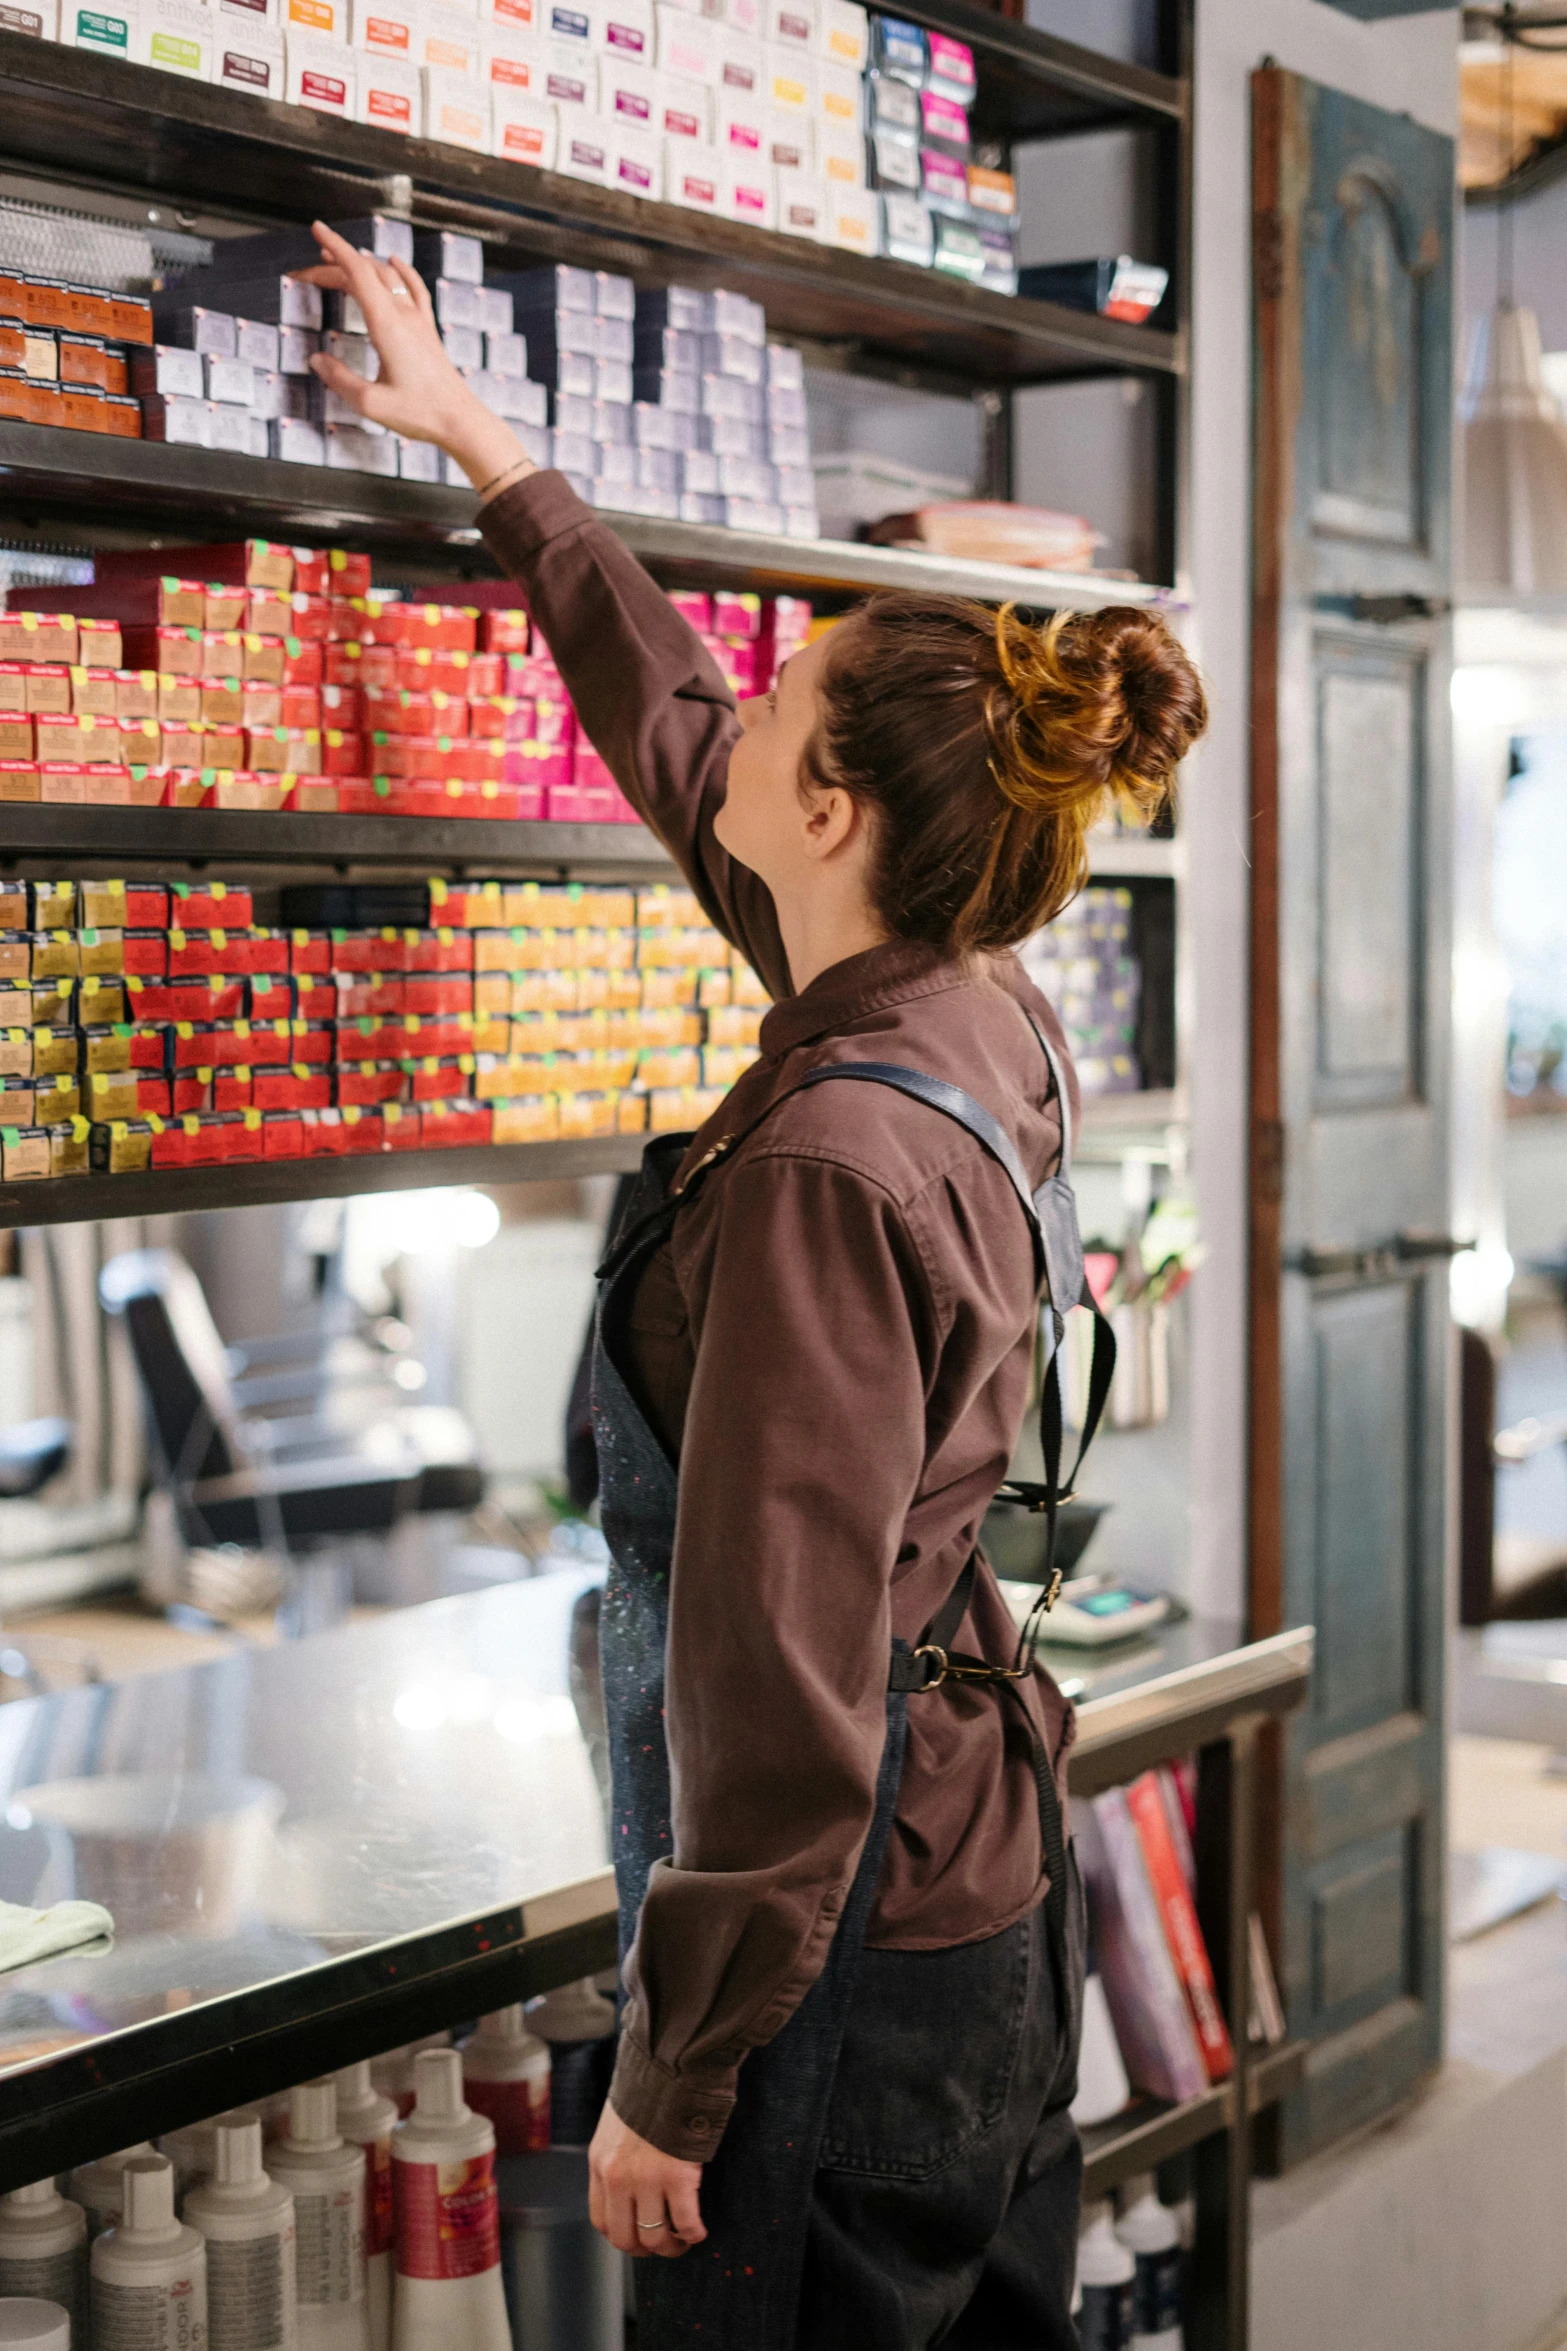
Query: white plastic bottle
x=1102 y=2086
x=393 y=2073
x=579 y=2025
x=29 y=2325
x=448 y=2294
x=96 y=2187
x=247 y=2221
x=1105 y=2271
x=369 y=2120
x=149 y=2272
x=1151 y=2233
x=43 y=2251
x=506 y=2075
x=326 y=2176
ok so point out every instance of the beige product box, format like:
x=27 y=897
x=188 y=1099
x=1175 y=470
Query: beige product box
x=743 y=117
x=522 y=19
x=685 y=109
x=791 y=147
x=749 y=191
x=843 y=34
x=802 y=207
x=387 y=93
x=456 y=109
x=582 y=149
x=693 y=175
x=176 y=37
x=571 y=82
x=840 y=98
x=247 y=56
x=840 y=157
x=449 y=38
x=107 y=26
x=741 y=16
x=790 y=23
x=319 y=74
x=507 y=62
x=386 y=28
x=628 y=94
x=254 y=12
x=853 y=218
x=636 y=162
x=524 y=130
x=789 y=81
x=688 y=46
x=323 y=20
x=38 y=19
x=623 y=28
x=742 y=63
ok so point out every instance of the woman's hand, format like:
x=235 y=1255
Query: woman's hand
x=418 y=392
x=632 y=2183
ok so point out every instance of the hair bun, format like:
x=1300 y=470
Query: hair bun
x=1094 y=703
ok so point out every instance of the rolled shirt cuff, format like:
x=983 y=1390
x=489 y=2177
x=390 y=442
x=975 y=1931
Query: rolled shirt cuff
x=682 y=2114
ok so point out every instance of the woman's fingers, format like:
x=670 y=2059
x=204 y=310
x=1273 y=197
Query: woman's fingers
x=344 y=380
x=418 y=290
x=682 y=2195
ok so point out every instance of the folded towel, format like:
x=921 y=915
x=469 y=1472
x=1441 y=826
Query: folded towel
x=30 y=1935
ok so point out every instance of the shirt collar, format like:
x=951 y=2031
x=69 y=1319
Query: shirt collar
x=893 y=973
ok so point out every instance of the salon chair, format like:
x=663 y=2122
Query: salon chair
x=31 y=1453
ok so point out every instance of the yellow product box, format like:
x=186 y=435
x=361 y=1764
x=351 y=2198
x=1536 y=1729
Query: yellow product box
x=55 y=1051
x=101 y=953
x=662 y=988
x=529 y=1118
x=16 y=1053
x=124 y=1146
x=68 y=1146
x=24 y=1153
x=56 y=1098
x=714 y=988
x=586 y=1115
x=54 y=906
x=631 y=1114
x=723 y=1064
x=56 y=955
x=13 y=906
x=99 y=1000
x=661 y=1067
x=504 y=1077
x=746 y=987
x=491 y=1033
x=668 y=907
x=466 y=906
x=734 y=1024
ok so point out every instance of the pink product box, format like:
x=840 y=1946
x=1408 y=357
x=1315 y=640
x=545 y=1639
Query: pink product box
x=563 y=804
x=943 y=122
x=546 y=765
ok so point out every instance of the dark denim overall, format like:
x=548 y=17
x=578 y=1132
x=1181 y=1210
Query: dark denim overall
x=741 y=2286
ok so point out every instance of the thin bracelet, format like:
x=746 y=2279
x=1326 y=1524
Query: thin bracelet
x=504 y=475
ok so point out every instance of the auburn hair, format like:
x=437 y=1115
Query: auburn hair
x=988 y=746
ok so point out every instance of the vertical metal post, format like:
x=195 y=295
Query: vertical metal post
x=1221 y=2259
x=995 y=448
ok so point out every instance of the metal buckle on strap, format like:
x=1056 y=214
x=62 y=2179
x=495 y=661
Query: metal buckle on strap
x=948 y=1671
x=723 y=1144
x=934 y=1683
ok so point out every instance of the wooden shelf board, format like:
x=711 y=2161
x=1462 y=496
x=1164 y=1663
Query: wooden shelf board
x=130 y=126
x=209 y=836
x=1148 y=2135
x=180 y=1191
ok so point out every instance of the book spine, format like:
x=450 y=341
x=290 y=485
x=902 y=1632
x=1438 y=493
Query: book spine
x=1145 y=1805
x=1180 y=1832
x=1139 y=1973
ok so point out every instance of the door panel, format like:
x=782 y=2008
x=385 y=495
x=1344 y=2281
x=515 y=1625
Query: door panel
x=1349 y=1327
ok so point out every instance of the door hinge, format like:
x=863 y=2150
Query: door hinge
x=1267 y=1161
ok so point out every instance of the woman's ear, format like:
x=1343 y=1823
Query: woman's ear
x=834 y=820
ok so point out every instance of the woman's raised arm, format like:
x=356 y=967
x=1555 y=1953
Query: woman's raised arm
x=646 y=690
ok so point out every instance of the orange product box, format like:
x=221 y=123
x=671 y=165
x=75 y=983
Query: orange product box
x=341 y=755
x=48 y=688
x=13 y=345
x=17 y=740
x=311 y=795
x=136 y=693
x=82 y=408
x=179 y=701
x=504 y=632
x=98 y=641
x=131 y=318
x=222 y=702
x=424 y=669
x=93 y=693
x=141 y=742
x=121 y=416
x=38 y=636
x=261 y=705
x=300 y=706
x=19 y=780
x=222 y=653
x=235 y=788
x=225 y=608
x=172 y=652
x=117 y=376
x=45 y=404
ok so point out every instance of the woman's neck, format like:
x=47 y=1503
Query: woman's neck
x=820 y=929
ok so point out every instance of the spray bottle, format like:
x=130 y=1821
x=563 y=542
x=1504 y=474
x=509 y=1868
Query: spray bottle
x=506 y=2075
x=248 y=2224
x=369 y=2120
x=1105 y=2270
x=43 y=2251
x=149 y=2273
x=448 y=2294
x=579 y=2025
x=96 y=2186
x=1151 y=2233
x=327 y=2180
x=29 y=2325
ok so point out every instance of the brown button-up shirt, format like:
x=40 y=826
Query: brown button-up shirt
x=836 y=1344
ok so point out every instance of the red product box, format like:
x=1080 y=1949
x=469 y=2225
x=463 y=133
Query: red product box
x=401 y=1126
x=339 y=706
x=200 y=1044
x=298 y=1087
x=304 y=662
x=311 y=621
x=190 y=1091
x=476 y=760
x=358 y=796
x=507 y=632
x=366 y=620
x=486 y=674
x=404 y=755
x=438 y=950
x=546 y=766
x=270 y=997
x=341 y=754
x=242 y=1134
x=206 y=1139
x=445 y=1125
x=311 y=570
x=368 y=951
x=170 y=1144
x=185 y=1000
x=695 y=607
x=438 y=1033
x=322 y=1135
x=263 y=1044
x=370 y=1082
x=238 y=563
x=486 y=799
x=150 y=1094
x=441 y=628
x=369 y=995
x=736 y=614
x=314 y=1043
x=427 y=669
x=211 y=906
x=299 y=706
x=348 y=574
x=123 y=1044
x=282 y=1135
x=309 y=951
x=440 y=1081
x=368 y=1039
x=431 y=993
x=554 y=720
x=266 y=952
x=398 y=710
x=348 y=663
x=314 y=999
x=233 y=1089
x=493 y=716
x=201 y=954
x=363 y=1130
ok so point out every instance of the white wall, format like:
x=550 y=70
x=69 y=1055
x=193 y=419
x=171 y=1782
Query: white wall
x=1408 y=64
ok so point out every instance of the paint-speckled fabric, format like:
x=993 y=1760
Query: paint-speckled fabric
x=741 y=2287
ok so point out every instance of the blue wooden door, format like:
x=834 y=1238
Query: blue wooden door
x=1353 y=243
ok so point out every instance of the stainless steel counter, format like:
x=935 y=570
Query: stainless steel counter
x=317 y=1851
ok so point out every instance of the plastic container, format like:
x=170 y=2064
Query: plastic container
x=149 y=2272
x=1105 y=2272
x=579 y=2025
x=97 y=2187
x=39 y=2326
x=448 y=2294
x=326 y=2176
x=1102 y=2086
x=247 y=2222
x=43 y=2251
x=565 y=2284
x=1151 y=2233
x=369 y=2120
x=393 y=2074
x=506 y=2075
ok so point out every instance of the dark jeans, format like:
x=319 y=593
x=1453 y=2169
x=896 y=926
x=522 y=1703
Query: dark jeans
x=946 y=2200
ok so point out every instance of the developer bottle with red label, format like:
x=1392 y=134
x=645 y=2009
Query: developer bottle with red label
x=506 y=2075
x=367 y=2118
x=448 y=2294
x=325 y=2175
x=149 y=2273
